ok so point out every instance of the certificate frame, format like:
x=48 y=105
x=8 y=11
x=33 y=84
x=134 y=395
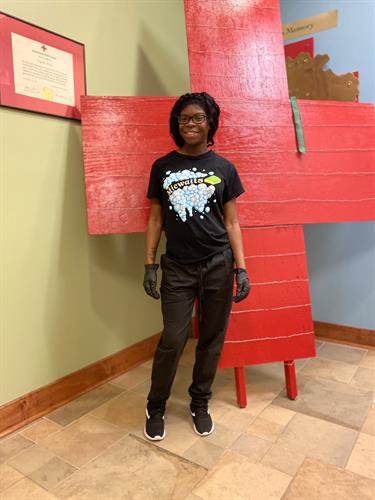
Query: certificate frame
x=40 y=71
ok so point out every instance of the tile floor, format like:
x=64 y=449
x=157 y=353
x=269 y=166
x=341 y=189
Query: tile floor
x=321 y=446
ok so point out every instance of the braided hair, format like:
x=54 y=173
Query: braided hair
x=207 y=103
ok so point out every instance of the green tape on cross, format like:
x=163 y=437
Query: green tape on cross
x=298 y=125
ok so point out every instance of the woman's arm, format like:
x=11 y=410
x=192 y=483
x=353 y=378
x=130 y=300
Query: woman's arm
x=234 y=232
x=153 y=232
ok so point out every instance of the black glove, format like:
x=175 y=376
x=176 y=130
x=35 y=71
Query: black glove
x=243 y=285
x=150 y=279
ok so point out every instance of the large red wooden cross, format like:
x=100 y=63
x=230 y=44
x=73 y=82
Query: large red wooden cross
x=236 y=54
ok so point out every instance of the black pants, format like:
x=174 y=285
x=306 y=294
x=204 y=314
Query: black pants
x=212 y=282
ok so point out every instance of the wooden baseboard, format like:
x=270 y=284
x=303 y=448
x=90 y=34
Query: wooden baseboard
x=37 y=403
x=345 y=334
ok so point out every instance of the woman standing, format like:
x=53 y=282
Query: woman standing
x=192 y=192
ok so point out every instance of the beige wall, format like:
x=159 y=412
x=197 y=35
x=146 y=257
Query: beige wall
x=69 y=299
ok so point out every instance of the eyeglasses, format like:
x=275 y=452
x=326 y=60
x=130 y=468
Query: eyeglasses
x=197 y=118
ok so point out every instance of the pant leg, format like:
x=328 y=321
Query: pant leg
x=218 y=280
x=178 y=291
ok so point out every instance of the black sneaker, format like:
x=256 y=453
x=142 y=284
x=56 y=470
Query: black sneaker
x=154 y=428
x=203 y=424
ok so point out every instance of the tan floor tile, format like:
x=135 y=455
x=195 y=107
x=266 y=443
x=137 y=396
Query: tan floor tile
x=142 y=389
x=148 y=363
x=277 y=414
x=369 y=424
x=362 y=458
x=251 y=447
x=225 y=395
x=120 y=472
x=204 y=453
x=228 y=373
x=319 y=481
x=368 y=361
x=222 y=379
x=339 y=352
x=30 y=459
x=178 y=408
x=257 y=399
x=41 y=429
x=326 y=399
x=234 y=417
x=133 y=377
x=318 y=438
x=223 y=436
x=264 y=378
x=8 y=476
x=264 y=429
x=84 y=404
x=83 y=440
x=318 y=344
x=26 y=490
x=364 y=378
x=127 y=411
x=282 y=459
x=52 y=473
x=327 y=368
x=12 y=445
x=300 y=363
x=259 y=402
x=193 y=497
x=235 y=477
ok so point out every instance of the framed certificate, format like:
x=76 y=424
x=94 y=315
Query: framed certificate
x=40 y=71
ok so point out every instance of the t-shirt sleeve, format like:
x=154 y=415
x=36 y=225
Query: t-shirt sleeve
x=233 y=185
x=154 y=187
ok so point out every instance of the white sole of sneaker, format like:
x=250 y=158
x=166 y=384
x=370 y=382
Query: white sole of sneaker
x=204 y=433
x=156 y=438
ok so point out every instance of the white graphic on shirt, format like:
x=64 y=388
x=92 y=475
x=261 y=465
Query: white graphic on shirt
x=189 y=190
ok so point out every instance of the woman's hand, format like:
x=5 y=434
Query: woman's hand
x=150 y=280
x=242 y=284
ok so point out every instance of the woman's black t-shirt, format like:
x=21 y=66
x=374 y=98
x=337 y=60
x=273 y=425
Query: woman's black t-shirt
x=192 y=191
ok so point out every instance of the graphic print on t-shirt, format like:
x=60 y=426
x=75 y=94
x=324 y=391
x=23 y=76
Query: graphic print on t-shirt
x=188 y=190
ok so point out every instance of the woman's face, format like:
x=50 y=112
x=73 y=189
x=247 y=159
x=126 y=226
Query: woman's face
x=194 y=134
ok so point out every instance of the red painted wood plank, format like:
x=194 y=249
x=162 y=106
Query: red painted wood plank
x=275 y=320
x=234 y=15
x=333 y=112
x=273 y=294
x=271 y=269
x=324 y=137
x=313 y=163
x=224 y=39
x=267 y=351
x=305 y=212
x=238 y=65
x=261 y=188
x=326 y=184
x=209 y=40
x=258 y=88
x=272 y=240
x=116 y=221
